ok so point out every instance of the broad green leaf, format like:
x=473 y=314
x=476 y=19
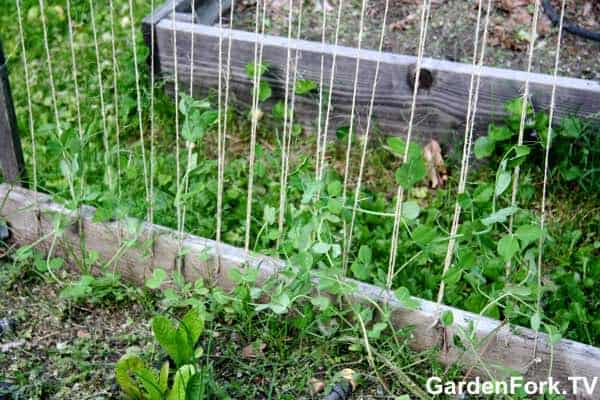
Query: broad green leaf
x=163 y=377
x=280 y=304
x=165 y=334
x=264 y=90
x=151 y=384
x=365 y=254
x=180 y=382
x=251 y=68
x=502 y=182
x=528 y=234
x=536 y=321
x=508 y=246
x=304 y=86
x=126 y=368
x=424 y=235
x=321 y=302
x=499 y=216
x=196 y=387
x=570 y=127
x=398 y=146
x=360 y=271
x=410 y=210
x=404 y=297
x=447 y=318
x=483 y=193
x=499 y=133
x=376 y=330
x=484 y=147
x=192 y=324
x=411 y=172
x=334 y=188
x=158 y=277
x=269 y=215
x=321 y=248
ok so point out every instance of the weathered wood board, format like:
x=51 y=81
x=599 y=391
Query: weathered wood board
x=12 y=165
x=30 y=216
x=440 y=108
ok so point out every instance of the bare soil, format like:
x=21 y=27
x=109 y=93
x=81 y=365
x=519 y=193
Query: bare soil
x=451 y=30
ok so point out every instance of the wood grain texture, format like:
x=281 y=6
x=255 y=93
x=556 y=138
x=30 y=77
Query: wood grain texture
x=509 y=347
x=12 y=165
x=440 y=109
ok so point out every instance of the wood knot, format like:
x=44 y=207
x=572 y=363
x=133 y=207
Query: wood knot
x=426 y=77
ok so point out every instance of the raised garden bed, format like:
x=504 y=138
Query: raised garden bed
x=506 y=349
x=441 y=102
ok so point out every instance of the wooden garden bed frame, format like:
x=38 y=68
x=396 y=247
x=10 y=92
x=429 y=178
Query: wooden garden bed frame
x=442 y=100
x=30 y=217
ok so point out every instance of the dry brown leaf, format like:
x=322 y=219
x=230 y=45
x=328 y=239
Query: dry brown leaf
x=511 y=5
x=254 y=350
x=587 y=9
x=316 y=386
x=403 y=23
x=436 y=168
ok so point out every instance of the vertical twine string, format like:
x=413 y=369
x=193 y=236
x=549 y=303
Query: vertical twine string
x=323 y=144
x=115 y=94
x=546 y=167
x=223 y=131
x=363 y=155
x=321 y=76
x=139 y=102
x=525 y=101
x=425 y=12
x=258 y=55
x=468 y=137
x=152 y=138
x=288 y=127
x=29 y=104
x=105 y=138
x=351 y=131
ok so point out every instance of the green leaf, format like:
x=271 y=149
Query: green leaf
x=278 y=111
x=398 y=146
x=163 y=377
x=502 y=182
x=499 y=216
x=410 y=210
x=264 y=90
x=180 y=382
x=192 y=326
x=304 y=86
x=508 y=246
x=269 y=215
x=365 y=254
x=484 y=147
x=411 y=172
x=251 y=68
x=125 y=370
x=165 y=334
x=570 y=128
x=321 y=248
x=360 y=271
x=158 y=277
x=321 y=302
x=79 y=289
x=447 y=318
x=536 y=321
x=424 y=235
x=334 y=188
x=483 y=193
x=151 y=384
x=528 y=234
x=196 y=387
x=376 y=330
x=499 y=133
x=404 y=297
x=279 y=305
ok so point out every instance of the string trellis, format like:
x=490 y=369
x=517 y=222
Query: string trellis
x=144 y=118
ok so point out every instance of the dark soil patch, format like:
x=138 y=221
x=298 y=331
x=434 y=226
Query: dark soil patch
x=451 y=31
